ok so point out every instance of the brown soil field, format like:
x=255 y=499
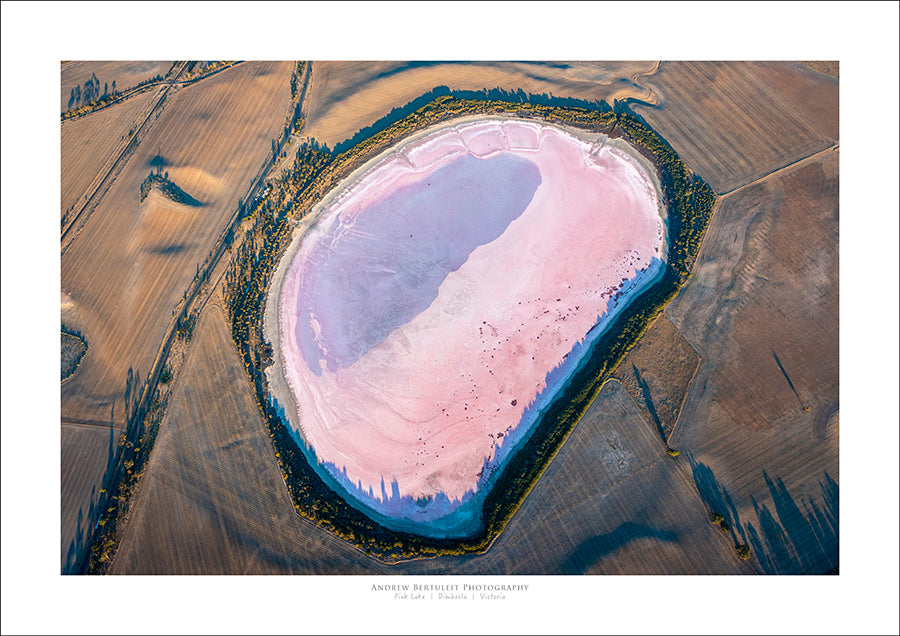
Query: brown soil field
x=773 y=253
x=760 y=422
x=657 y=374
x=733 y=123
x=348 y=96
x=127 y=268
x=85 y=453
x=124 y=74
x=88 y=142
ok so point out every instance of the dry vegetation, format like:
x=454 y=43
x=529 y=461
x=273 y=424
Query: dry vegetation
x=832 y=68
x=657 y=374
x=611 y=502
x=195 y=70
x=348 y=96
x=127 y=269
x=734 y=123
x=72 y=350
x=213 y=500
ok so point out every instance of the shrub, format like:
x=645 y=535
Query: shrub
x=743 y=551
x=671 y=452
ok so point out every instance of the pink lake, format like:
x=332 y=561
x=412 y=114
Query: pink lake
x=442 y=299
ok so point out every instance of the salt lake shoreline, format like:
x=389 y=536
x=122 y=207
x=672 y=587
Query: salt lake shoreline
x=276 y=376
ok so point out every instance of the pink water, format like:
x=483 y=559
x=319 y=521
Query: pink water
x=422 y=314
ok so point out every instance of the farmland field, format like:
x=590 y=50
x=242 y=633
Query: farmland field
x=612 y=502
x=88 y=142
x=761 y=420
x=85 y=459
x=194 y=517
x=149 y=254
x=701 y=439
x=744 y=359
x=657 y=374
x=127 y=268
x=760 y=116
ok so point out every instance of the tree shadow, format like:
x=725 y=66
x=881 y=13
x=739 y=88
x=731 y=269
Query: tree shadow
x=795 y=540
x=170 y=249
x=770 y=544
x=717 y=498
x=787 y=377
x=111 y=448
x=158 y=161
x=791 y=536
x=495 y=94
x=591 y=551
x=77 y=553
x=648 y=400
x=78 y=546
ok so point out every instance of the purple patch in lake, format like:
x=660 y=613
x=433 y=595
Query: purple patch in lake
x=364 y=280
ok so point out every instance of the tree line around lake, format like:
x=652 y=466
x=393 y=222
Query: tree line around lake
x=316 y=170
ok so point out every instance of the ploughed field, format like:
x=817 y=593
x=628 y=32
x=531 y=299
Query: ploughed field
x=346 y=96
x=88 y=143
x=129 y=265
x=762 y=116
x=444 y=297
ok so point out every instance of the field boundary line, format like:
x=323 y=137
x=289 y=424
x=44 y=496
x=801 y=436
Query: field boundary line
x=134 y=91
x=118 y=158
x=74 y=421
x=834 y=146
x=687 y=391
